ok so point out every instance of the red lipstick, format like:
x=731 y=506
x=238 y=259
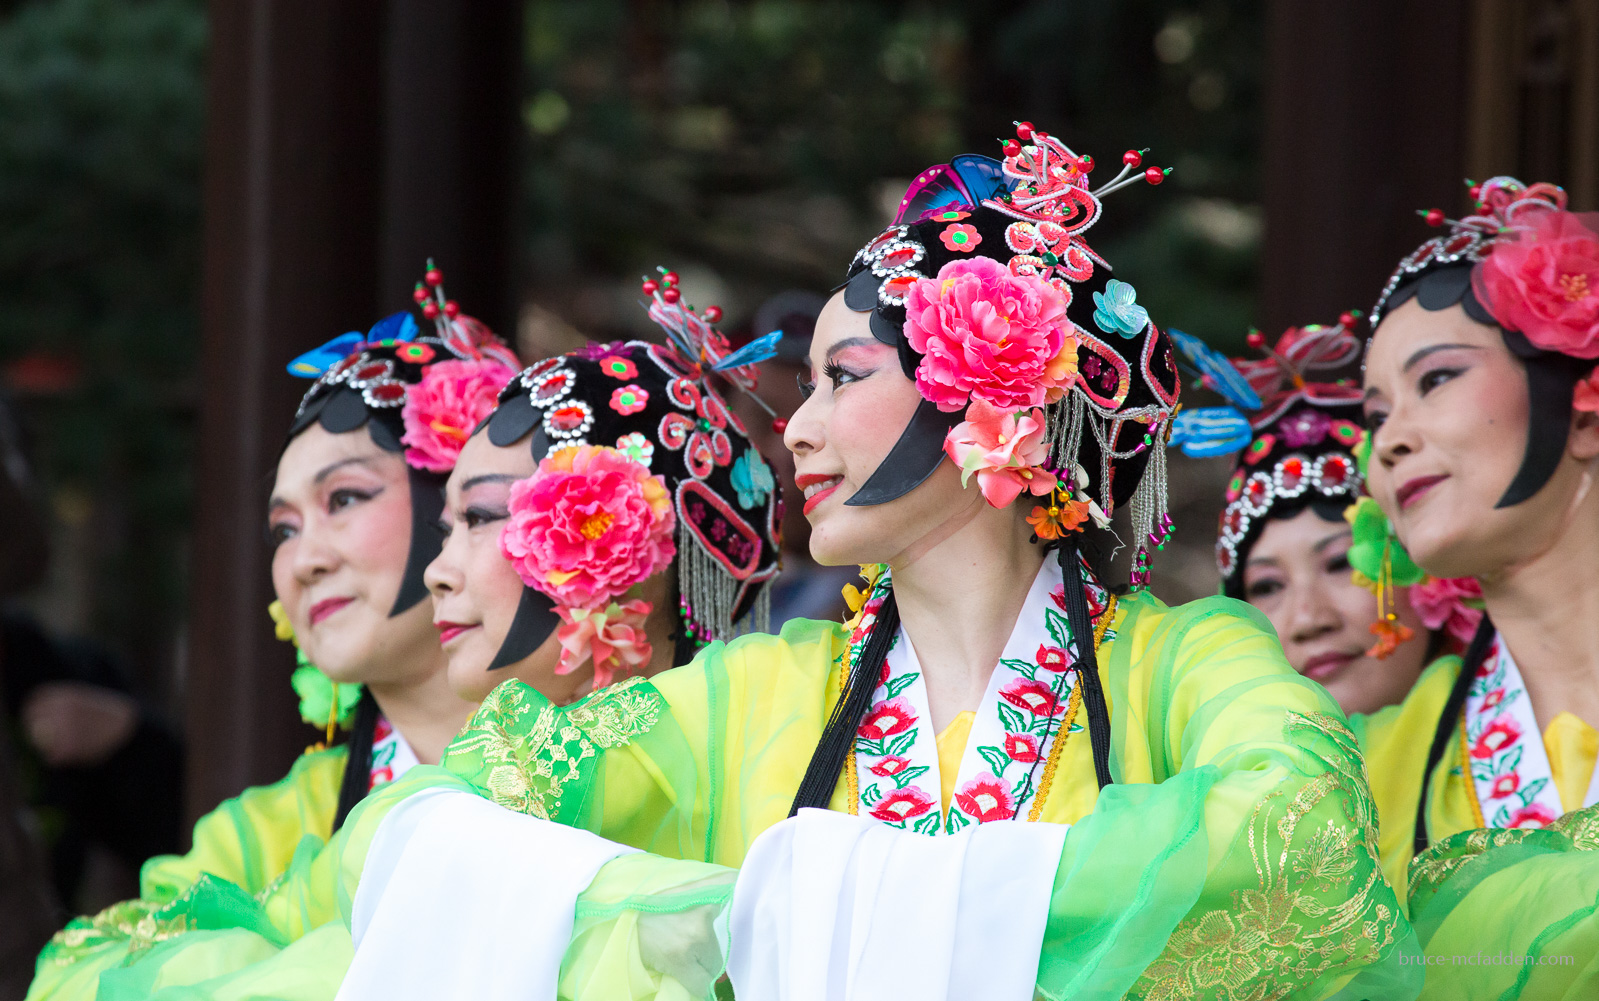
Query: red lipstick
x=326 y=607
x=1412 y=490
x=450 y=630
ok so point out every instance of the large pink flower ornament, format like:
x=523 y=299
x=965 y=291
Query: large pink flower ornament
x=1542 y=279
x=1453 y=604
x=441 y=410
x=587 y=526
x=613 y=637
x=1006 y=451
x=986 y=334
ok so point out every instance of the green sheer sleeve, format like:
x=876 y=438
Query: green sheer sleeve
x=244 y=844
x=1236 y=856
x=1509 y=914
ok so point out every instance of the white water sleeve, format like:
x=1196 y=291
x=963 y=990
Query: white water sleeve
x=830 y=906
x=461 y=898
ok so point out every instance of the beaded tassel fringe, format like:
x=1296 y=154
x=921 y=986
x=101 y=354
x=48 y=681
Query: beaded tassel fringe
x=707 y=592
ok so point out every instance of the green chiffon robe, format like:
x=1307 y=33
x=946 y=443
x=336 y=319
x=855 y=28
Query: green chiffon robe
x=1235 y=857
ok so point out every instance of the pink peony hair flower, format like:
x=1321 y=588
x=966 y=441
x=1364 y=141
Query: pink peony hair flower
x=1543 y=280
x=1586 y=394
x=986 y=334
x=613 y=637
x=1453 y=604
x=441 y=410
x=590 y=524
x=1006 y=451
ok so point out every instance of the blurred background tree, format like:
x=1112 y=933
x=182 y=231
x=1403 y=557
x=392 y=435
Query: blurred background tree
x=101 y=111
x=751 y=146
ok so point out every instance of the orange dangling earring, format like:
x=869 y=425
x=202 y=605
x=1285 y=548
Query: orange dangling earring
x=1390 y=632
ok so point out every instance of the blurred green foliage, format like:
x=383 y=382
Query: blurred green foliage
x=101 y=110
x=758 y=144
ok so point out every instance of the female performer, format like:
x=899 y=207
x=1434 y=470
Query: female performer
x=351 y=521
x=1284 y=545
x=1483 y=404
x=1000 y=777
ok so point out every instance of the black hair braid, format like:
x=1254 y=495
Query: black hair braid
x=1082 y=624
x=821 y=775
x=1447 y=720
x=358 y=764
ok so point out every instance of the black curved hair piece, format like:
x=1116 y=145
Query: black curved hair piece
x=1551 y=377
x=1447 y=721
x=358 y=766
x=838 y=736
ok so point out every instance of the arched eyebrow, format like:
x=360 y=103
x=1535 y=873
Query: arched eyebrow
x=478 y=481
x=1329 y=540
x=275 y=501
x=1430 y=349
x=851 y=342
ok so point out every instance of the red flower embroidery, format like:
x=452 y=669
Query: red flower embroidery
x=1504 y=785
x=1033 y=696
x=1058 y=596
x=1493 y=698
x=381 y=730
x=1532 y=815
x=888 y=718
x=891 y=765
x=1053 y=658
x=1021 y=747
x=960 y=238
x=380 y=776
x=902 y=804
x=1499 y=735
x=986 y=799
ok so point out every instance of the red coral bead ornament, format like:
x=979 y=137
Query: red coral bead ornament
x=670 y=295
x=1256 y=340
x=452 y=309
x=1132 y=158
x=670 y=278
x=713 y=314
x=779 y=426
x=649 y=287
x=1434 y=217
x=430 y=310
x=1154 y=175
x=1011 y=147
x=1024 y=131
x=1347 y=319
x=434 y=276
x=420 y=294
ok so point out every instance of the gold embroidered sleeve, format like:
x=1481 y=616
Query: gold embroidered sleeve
x=532 y=756
x=1429 y=871
x=1303 y=901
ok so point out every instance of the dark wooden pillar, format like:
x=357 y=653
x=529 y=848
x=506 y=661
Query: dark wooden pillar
x=333 y=162
x=452 y=179
x=1366 y=122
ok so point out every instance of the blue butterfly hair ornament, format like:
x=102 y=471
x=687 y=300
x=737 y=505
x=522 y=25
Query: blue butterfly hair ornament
x=392 y=329
x=1259 y=391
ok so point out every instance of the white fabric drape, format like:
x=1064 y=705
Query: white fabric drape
x=830 y=906
x=461 y=898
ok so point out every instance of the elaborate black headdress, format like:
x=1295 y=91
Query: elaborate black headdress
x=1029 y=212
x=656 y=404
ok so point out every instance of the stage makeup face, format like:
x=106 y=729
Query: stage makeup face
x=340 y=522
x=859 y=403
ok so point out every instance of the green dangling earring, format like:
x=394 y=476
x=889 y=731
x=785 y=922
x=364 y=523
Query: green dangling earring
x=323 y=701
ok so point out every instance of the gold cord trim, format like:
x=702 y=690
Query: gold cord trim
x=1064 y=731
x=1465 y=772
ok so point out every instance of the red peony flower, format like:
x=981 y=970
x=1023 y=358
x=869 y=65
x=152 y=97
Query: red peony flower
x=587 y=526
x=1441 y=604
x=891 y=765
x=986 y=334
x=1052 y=658
x=985 y=799
x=441 y=410
x=902 y=804
x=887 y=719
x=1033 y=696
x=1504 y=785
x=1543 y=280
x=1021 y=747
x=1531 y=815
x=1501 y=733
